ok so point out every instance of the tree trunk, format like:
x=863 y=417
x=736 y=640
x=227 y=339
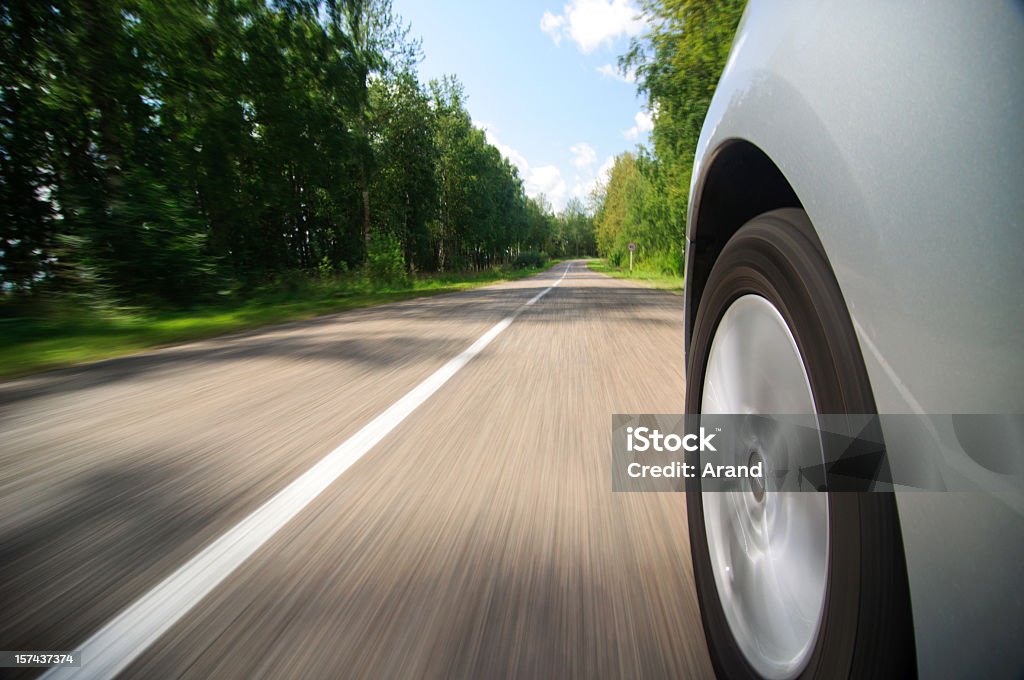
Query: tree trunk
x=364 y=169
x=366 y=213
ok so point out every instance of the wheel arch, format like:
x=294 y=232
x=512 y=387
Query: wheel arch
x=740 y=182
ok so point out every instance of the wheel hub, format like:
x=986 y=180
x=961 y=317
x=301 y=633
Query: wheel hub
x=757 y=484
x=768 y=549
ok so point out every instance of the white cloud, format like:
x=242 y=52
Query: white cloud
x=583 y=155
x=584 y=185
x=552 y=25
x=592 y=23
x=514 y=157
x=547 y=180
x=581 y=190
x=609 y=71
x=644 y=124
x=604 y=173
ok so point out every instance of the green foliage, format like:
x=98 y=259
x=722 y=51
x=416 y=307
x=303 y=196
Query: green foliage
x=667 y=263
x=635 y=208
x=161 y=153
x=385 y=264
x=575 y=231
x=677 y=63
x=404 y=188
x=529 y=259
x=325 y=268
x=60 y=332
x=483 y=214
x=656 y=279
x=76 y=277
x=541 y=226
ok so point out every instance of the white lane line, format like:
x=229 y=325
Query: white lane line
x=545 y=291
x=131 y=632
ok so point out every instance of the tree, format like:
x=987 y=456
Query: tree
x=405 y=185
x=378 y=39
x=540 y=232
x=151 y=152
x=614 y=230
x=576 y=230
x=677 y=62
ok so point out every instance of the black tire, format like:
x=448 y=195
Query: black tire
x=866 y=628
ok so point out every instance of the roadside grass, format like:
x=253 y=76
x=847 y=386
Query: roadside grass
x=67 y=335
x=654 y=279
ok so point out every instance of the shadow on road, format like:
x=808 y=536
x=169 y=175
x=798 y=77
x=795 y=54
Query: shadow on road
x=338 y=338
x=108 y=527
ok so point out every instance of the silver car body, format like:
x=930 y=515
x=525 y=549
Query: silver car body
x=899 y=126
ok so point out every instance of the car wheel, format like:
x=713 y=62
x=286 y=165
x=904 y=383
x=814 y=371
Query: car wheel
x=790 y=584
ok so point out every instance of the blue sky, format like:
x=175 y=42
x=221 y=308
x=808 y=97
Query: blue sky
x=540 y=77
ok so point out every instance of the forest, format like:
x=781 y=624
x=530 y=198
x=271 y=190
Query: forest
x=167 y=154
x=173 y=170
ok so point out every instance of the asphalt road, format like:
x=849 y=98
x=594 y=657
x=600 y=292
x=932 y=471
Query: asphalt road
x=479 y=538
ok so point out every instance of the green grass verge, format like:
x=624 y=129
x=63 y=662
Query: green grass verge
x=669 y=282
x=73 y=336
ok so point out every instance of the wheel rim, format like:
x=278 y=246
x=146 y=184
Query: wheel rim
x=768 y=549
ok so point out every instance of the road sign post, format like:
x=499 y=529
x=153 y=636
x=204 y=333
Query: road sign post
x=632 y=247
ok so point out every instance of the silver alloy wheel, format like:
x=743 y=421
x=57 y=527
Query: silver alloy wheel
x=768 y=549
